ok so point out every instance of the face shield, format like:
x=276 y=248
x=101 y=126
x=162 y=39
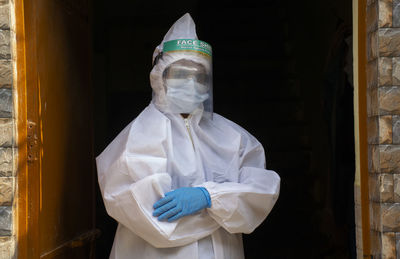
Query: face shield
x=183 y=73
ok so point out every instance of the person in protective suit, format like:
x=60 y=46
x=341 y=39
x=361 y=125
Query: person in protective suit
x=182 y=181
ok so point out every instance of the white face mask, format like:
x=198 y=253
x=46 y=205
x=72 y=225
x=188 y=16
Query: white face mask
x=185 y=95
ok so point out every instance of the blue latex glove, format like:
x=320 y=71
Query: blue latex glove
x=181 y=202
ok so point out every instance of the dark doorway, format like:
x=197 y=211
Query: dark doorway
x=283 y=71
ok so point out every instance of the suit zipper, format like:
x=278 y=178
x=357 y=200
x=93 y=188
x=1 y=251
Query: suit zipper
x=188 y=130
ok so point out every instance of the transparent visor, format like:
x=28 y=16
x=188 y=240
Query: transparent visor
x=188 y=83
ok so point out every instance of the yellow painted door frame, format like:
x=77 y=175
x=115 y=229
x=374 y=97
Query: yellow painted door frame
x=56 y=178
x=360 y=118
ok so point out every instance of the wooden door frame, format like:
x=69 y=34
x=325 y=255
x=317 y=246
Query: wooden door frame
x=360 y=116
x=28 y=137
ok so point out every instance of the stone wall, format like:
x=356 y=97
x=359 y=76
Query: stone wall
x=7 y=146
x=383 y=104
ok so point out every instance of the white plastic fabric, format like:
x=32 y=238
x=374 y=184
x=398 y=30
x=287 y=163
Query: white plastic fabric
x=183 y=28
x=159 y=152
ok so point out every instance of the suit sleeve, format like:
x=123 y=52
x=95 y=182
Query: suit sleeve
x=131 y=204
x=239 y=207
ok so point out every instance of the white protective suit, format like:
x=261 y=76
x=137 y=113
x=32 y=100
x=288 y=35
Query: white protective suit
x=160 y=151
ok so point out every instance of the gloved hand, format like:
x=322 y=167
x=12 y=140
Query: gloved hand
x=181 y=202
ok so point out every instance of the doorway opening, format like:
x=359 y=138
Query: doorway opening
x=283 y=71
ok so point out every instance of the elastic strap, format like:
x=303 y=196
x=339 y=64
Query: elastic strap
x=207 y=194
x=157 y=58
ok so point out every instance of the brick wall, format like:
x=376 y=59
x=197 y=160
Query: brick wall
x=7 y=147
x=383 y=104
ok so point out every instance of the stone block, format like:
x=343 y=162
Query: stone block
x=376 y=243
x=389 y=100
x=396 y=129
x=375 y=216
x=381 y=187
x=372 y=102
x=372 y=45
x=372 y=17
x=389 y=41
x=4 y=17
x=396 y=13
x=5 y=73
x=386 y=187
x=373 y=159
x=372 y=73
x=373 y=188
x=388 y=245
x=389 y=158
x=6 y=162
x=7 y=247
x=385 y=13
x=396 y=71
x=6 y=132
x=5 y=220
x=390 y=213
x=6 y=103
x=373 y=130
x=396 y=187
x=385 y=67
x=385 y=129
x=6 y=191
x=5 y=50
